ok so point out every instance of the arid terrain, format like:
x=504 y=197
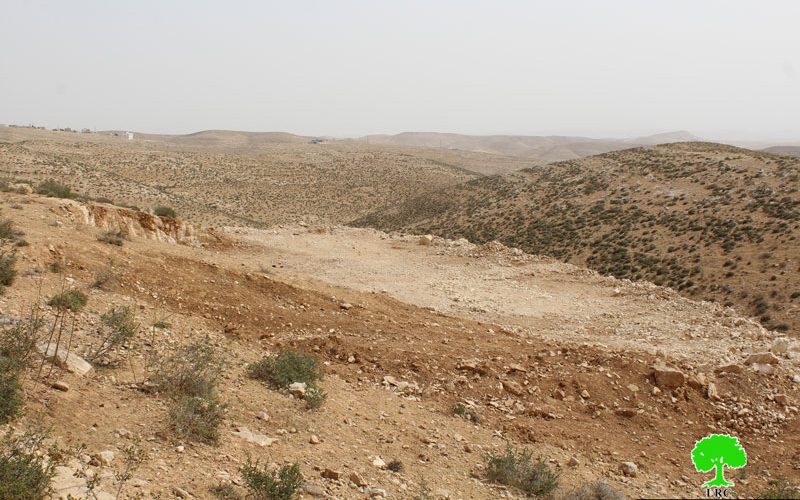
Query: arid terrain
x=214 y=180
x=711 y=221
x=437 y=353
x=540 y=149
x=406 y=332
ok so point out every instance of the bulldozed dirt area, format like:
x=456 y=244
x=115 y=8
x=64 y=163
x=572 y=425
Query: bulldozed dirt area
x=586 y=371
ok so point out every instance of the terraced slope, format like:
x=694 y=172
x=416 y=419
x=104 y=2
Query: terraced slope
x=714 y=222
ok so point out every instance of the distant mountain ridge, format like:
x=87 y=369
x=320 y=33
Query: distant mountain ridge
x=539 y=148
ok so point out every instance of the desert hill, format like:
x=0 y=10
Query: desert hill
x=784 y=150
x=224 y=140
x=714 y=222
x=284 y=183
x=434 y=355
x=541 y=149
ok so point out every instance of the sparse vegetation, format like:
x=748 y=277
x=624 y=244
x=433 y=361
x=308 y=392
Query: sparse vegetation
x=780 y=488
x=17 y=344
x=520 y=470
x=190 y=377
x=266 y=484
x=69 y=300
x=120 y=327
x=55 y=189
x=197 y=418
x=8 y=270
x=395 y=465
x=597 y=490
x=163 y=211
x=287 y=367
x=461 y=410
x=314 y=398
x=24 y=473
x=112 y=238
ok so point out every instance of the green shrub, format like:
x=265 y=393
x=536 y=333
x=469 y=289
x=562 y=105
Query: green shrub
x=24 y=473
x=224 y=492
x=70 y=300
x=7 y=231
x=121 y=327
x=197 y=418
x=314 y=398
x=112 y=238
x=264 y=484
x=8 y=271
x=163 y=211
x=518 y=469
x=287 y=367
x=10 y=394
x=780 y=488
x=55 y=189
x=597 y=490
x=395 y=465
x=192 y=371
x=461 y=410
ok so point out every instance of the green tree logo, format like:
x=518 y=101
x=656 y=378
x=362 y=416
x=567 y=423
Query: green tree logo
x=718 y=451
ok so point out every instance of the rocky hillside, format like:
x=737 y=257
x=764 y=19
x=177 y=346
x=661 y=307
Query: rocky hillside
x=238 y=366
x=714 y=222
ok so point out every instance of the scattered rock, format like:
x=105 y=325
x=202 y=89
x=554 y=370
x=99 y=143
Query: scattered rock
x=253 y=437
x=729 y=368
x=668 y=378
x=780 y=345
x=379 y=463
x=297 y=389
x=762 y=358
x=313 y=439
x=697 y=381
x=585 y=394
x=358 y=480
x=331 y=474
x=105 y=457
x=513 y=387
x=60 y=385
x=764 y=369
x=629 y=469
x=711 y=391
x=314 y=490
x=346 y=306
x=426 y=240
x=573 y=462
x=181 y=493
x=64 y=359
x=656 y=391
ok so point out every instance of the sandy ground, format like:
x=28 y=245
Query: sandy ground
x=491 y=283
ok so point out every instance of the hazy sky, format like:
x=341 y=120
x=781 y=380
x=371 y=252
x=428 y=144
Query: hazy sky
x=725 y=68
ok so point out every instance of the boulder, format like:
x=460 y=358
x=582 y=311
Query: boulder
x=668 y=378
x=513 y=387
x=762 y=358
x=297 y=389
x=780 y=345
x=358 y=480
x=253 y=437
x=331 y=474
x=426 y=240
x=66 y=360
x=629 y=469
